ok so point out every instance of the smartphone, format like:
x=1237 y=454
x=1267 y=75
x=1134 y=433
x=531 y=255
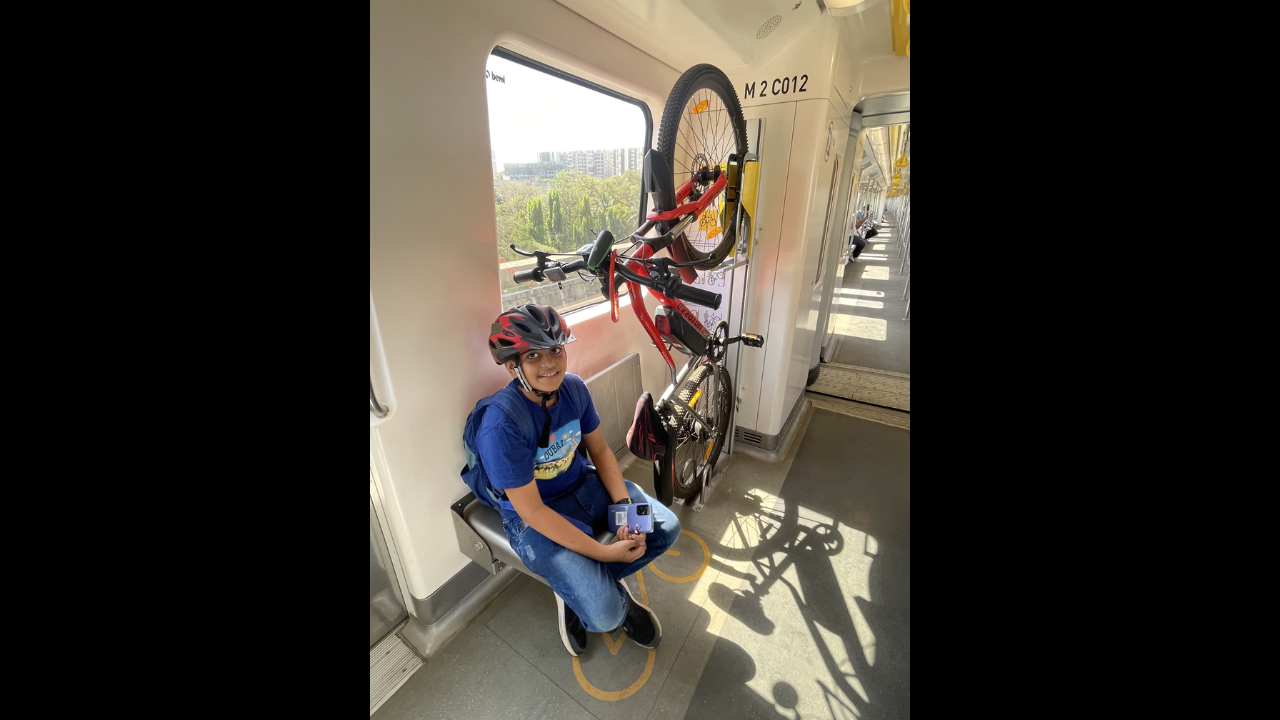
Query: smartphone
x=633 y=515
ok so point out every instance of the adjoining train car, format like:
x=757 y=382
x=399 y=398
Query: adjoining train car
x=714 y=198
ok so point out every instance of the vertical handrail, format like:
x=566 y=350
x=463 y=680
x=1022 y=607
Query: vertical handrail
x=380 y=409
x=747 y=229
x=905 y=230
x=374 y=407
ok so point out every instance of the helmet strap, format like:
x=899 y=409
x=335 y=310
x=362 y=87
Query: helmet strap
x=524 y=383
x=544 y=438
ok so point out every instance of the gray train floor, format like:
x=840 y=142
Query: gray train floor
x=870 y=309
x=788 y=596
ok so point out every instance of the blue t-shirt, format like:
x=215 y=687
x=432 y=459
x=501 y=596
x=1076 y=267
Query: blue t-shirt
x=511 y=460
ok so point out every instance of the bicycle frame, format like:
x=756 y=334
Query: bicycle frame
x=642 y=312
x=694 y=207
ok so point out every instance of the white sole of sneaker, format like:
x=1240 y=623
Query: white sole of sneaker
x=564 y=632
x=652 y=614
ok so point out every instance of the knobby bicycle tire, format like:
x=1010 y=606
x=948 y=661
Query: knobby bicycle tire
x=682 y=472
x=702 y=139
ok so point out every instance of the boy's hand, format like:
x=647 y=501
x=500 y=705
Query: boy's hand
x=630 y=546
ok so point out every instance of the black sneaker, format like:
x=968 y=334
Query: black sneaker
x=572 y=634
x=641 y=623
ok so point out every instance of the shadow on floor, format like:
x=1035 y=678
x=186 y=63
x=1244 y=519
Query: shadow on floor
x=842 y=518
x=725 y=691
x=893 y=353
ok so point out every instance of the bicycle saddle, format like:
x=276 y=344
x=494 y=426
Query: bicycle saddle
x=658 y=180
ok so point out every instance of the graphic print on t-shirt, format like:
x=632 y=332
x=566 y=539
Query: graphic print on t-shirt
x=558 y=455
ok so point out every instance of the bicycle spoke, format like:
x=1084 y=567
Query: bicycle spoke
x=689 y=153
x=716 y=133
x=702 y=118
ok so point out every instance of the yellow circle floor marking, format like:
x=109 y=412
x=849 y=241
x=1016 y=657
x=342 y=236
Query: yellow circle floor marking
x=615 y=695
x=614 y=646
x=706 y=560
x=644 y=591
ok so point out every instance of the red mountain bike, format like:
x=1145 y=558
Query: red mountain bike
x=695 y=180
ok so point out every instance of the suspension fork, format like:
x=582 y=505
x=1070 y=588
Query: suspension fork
x=675 y=398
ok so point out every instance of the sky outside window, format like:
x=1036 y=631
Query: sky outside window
x=532 y=112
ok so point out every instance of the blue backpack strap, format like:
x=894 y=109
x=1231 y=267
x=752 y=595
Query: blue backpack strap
x=578 y=392
x=512 y=406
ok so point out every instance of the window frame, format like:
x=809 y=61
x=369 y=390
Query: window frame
x=511 y=56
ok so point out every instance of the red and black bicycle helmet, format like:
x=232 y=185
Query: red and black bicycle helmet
x=529 y=327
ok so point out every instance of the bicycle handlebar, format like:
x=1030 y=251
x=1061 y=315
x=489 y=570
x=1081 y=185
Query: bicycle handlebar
x=667 y=283
x=525 y=276
x=673 y=288
x=694 y=295
x=554 y=272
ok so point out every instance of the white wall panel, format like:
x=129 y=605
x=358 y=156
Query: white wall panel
x=810 y=59
x=792 y=215
x=775 y=154
x=786 y=353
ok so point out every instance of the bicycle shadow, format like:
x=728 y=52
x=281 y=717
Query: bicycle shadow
x=728 y=687
x=807 y=545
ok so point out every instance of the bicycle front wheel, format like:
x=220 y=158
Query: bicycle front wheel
x=702 y=125
x=709 y=393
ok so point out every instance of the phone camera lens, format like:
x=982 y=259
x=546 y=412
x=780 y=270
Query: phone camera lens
x=642 y=510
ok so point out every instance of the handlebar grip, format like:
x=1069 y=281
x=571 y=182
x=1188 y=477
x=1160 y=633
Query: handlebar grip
x=525 y=276
x=694 y=295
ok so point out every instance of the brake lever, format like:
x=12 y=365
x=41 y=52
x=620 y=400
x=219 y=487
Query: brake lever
x=542 y=254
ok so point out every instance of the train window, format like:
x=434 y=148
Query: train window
x=566 y=156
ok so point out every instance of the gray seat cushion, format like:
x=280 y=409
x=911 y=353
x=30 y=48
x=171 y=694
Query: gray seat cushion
x=487 y=523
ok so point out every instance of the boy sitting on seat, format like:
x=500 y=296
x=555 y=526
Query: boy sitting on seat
x=553 y=500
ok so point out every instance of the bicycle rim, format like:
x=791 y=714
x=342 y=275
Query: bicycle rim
x=708 y=391
x=702 y=125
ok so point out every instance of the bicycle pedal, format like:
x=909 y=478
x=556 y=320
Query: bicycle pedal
x=751 y=340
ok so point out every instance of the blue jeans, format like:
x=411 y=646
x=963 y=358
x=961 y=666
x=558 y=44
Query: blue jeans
x=589 y=586
x=857 y=244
